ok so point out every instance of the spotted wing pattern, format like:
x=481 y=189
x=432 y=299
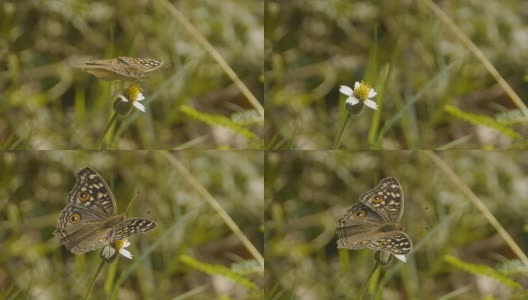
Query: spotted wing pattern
x=89 y=220
x=373 y=222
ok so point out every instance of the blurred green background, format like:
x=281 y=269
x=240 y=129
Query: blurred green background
x=191 y=102
x=432 y=91
x=33 y=190
x=307 y=191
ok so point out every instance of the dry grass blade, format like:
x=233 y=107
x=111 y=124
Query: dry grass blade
x=476 y=51
x=212 y=51
x=219 y=209
x=479 y=204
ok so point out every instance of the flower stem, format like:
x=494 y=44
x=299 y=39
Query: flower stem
x=92 y=283
x=117 y=126
x=110 y=123
x=340 y=135
x=375 y=268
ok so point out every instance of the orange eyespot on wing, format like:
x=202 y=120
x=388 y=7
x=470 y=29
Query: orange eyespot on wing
x=360 y=214
x=377 y=198
x=83 y=196
x=75 y=218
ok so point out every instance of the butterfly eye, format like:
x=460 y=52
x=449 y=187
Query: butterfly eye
x=360 y=214
x=377 y=198
x=83 y=196
x=75 y=218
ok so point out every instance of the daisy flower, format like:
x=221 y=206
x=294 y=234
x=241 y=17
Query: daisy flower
x=133 y=95
x=110 y=250
x=362 y=93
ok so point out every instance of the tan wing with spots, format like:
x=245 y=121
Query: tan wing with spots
x=89 y=220
x=386 y=199
x=373 y=222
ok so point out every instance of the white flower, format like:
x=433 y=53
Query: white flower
x=401 y=257
x=110 y=249
x=135 y=102
x=362 y=92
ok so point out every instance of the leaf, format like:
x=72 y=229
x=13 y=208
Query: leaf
x=218 y=270
x=511 y=117
x=217 y=120
x=247 y=117
x=481 y=120
x=482 y=270
x=247 y=267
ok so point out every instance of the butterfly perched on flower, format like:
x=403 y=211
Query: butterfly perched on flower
x=121 y=68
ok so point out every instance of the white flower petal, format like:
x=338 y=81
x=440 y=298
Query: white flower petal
x=352 y=100
x=372 y=93
x=346 y=90
x=356 y=85
x=401 y=257
x=140 y=97
x=371 y=104
x=123 y=98
x=125 y=253
x=127 y=243
x=108 y=251
x=139 y=106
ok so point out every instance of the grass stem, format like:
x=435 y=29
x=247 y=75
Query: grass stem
x=215 y=205
x=189 y=27
x=374 y=270
x=92 y=283
x=340 y=135
x=457 y=181
x=110 y=123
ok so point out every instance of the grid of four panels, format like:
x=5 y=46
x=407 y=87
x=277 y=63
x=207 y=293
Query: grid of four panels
x=264 y=149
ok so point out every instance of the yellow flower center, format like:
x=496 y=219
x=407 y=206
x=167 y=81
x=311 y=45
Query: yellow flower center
x=362 y=91
x=132 y=92
x=118 y=244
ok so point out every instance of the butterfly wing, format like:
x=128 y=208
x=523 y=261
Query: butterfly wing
x=146 y=64
x=360 y=226
x=395 y=241
x=92 y=192
x=358 y=219
x=133 y=226
x=372 y=223
x=386 y=199
x=96 y=63
x=82 y=230
x=111 y=69
x=89 y=221
x=84 y=223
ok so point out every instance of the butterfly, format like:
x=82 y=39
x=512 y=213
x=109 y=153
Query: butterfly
x=121 y=68
x=90 y=220
x=373 y=223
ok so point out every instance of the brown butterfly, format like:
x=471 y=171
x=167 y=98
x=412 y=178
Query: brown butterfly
x=90 y=220
x=373 y=222
x=121 y=68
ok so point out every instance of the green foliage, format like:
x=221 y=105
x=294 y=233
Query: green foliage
x=247 y=117
x=218 y=121
x=219 y=270
x=510 y=117
x=512 y=267
x=307 y=191
x=34 y=186
x=482 y=270
x=48 y=103
x=313 y=48
x=245 y=267
x=482 y=120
